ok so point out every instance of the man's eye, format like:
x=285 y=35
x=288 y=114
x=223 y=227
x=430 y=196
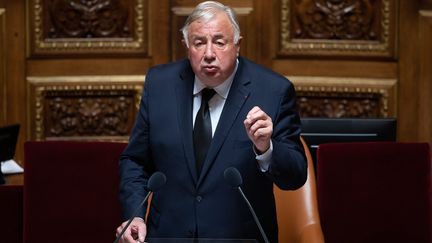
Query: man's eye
x=220 y=43
x=198 y=43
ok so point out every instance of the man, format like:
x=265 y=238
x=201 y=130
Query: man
x=254 y=128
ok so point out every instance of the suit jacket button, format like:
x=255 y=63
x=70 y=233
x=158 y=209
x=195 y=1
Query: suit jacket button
x=198 y=198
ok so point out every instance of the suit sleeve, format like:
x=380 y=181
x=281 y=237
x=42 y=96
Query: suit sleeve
x=288 y=169
x=135 y=165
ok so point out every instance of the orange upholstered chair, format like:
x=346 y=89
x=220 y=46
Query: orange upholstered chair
x=297 y=211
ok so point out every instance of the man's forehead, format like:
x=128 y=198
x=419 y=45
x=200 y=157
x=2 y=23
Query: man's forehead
x=212 y=28
x=206 y=35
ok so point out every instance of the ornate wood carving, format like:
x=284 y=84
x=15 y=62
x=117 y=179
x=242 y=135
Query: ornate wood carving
x=87 y=115
x=88 y=19
x=332 y=104
x=97 y=108
x=88 y=26
x=345 y=97
x=338 y=27
x=335 y=19
x=3 y=99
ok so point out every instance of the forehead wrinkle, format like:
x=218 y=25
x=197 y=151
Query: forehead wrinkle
x=209 y=32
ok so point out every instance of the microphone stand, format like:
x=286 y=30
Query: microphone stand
x=133 y=216
x=254 y=216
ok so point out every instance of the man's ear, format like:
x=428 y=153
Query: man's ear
x=184 y=43
x=238 y=45
x=239 y=40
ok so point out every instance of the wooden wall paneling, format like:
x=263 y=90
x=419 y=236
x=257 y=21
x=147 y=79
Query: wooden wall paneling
x=3 y=87
x=267 y=14
x=83 y=107
x=336 y=54
x=425 y=75
x=88 y=66
x=245 y=15
x=95 y=55
x=345 y=97
x=249 y=27
x=409 y=53
x=336 y=68
x=178 y=17
x=350 y=46
x=84 y=78
x=159 y=32
x=338 y=28
x=74 y=27
x=13 y=69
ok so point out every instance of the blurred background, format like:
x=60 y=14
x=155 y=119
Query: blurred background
x=74 y=69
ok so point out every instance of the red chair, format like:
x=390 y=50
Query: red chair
x=375 y=192
x=70 y=191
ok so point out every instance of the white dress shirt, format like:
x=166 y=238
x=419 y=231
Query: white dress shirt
x=216 y=104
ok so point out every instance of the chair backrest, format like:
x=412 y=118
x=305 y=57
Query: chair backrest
x=70 y=191
x=297 y=211
x=375 y=192
x=11 y=216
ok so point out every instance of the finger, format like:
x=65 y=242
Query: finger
x=252 y=114
x=254 y=110
x=260 y=124
x=141 y=233
x=247 y=124
x=139 y=229
x=254 y=117
x=259 y=116
x=118 y=231
x=261 y=133
x=127 y=236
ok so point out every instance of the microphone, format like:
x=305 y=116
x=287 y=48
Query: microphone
x=155 y=182
x=233 y=178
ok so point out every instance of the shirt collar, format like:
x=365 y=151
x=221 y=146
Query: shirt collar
x=222 y=89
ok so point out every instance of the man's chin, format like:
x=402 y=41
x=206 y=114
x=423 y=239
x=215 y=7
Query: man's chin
x=212 y=79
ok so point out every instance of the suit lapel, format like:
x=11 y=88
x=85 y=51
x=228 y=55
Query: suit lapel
x=238 y=94
x=184 y=90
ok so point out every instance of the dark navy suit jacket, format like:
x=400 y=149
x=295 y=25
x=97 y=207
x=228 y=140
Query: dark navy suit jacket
x=205 y=205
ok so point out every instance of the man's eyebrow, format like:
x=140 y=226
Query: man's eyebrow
x=217 y=36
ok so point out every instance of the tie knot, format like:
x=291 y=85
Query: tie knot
x=207 y=94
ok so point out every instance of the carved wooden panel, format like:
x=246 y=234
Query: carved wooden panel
x=345 y=97
x=338 y=27
x=3 y=91
x=425 y=74
x=85 y=108
x=244 y=11
x=88 y=26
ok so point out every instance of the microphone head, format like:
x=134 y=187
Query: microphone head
x=232 y=177
x=156 y=181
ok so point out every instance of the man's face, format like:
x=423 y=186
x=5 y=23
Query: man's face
x=212 y=51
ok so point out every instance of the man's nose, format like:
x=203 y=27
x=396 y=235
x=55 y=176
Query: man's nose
x=209 y=52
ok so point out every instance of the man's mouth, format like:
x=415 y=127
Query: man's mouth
x=210 y=68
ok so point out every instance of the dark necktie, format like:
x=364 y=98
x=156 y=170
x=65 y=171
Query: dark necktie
x=202 y=133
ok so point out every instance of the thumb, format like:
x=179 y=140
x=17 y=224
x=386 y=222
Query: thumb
x=141 y=233
x=141 y=237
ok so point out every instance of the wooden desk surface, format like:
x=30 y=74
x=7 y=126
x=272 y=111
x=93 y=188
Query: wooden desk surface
x=14 y=179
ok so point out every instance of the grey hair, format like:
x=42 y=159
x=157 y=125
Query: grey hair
x=208 y=10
